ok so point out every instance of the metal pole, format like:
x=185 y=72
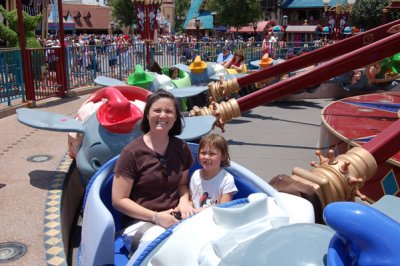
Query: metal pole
x=30 y=95
x=63 y=78
x=147 y=34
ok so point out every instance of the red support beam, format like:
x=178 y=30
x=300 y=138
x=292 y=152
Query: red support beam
x=342 y=64
x=385 y=144
x=320 y=55
x=29 y=91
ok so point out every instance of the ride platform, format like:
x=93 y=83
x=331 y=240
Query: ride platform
x=352 y=122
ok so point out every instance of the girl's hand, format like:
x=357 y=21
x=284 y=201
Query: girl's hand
x=165 y=219
x=186 y=209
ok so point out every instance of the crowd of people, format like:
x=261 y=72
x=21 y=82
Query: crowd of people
x=104 y=39
x=115 y=56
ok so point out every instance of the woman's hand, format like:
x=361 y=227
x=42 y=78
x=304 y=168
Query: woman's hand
x=186 y=209
x=165 y=219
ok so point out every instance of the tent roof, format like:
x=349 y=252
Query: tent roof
x=301 y=28
x=261 y=26
x=310 y=3
x=206 y=21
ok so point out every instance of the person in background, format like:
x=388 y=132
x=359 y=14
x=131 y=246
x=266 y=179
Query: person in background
x=164 y=81
x=225 y=56
x=155 y=67
x=186 y=54
x=111 y=51
x=151 y=179
x=212 y=184
x=237 y=62
x=174 y=73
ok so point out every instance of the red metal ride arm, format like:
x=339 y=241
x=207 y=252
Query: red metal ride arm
x=385 y=144
x=323 y=54
x=358 y=58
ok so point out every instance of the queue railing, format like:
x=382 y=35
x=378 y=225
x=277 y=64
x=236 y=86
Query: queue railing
x=11 y=80
x=85 y=63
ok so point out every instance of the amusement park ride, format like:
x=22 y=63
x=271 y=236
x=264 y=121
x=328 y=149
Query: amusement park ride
x=264 y=225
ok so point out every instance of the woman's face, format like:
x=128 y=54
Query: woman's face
x=238 y=57
x=162 y=115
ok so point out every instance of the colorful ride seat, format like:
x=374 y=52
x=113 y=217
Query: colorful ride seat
x=182 y=82
x=140 y=78
x=233 y=71
x=100 y=245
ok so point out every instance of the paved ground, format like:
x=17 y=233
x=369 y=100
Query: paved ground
x=269 y=140
x=273 y=138
x=24 y=185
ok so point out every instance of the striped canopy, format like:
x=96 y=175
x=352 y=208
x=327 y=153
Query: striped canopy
x=326 y=30
x=277 y=28
x=347 y=30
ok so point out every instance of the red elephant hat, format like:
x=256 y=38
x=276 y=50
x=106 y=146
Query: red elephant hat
x=118 y=114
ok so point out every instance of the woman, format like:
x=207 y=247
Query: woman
x=152 y=174
x=237 y=62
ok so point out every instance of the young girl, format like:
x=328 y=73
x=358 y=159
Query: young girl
x=174 y=73
x=212 y=184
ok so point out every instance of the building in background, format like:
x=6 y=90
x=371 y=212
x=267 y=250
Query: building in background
x=167 y=10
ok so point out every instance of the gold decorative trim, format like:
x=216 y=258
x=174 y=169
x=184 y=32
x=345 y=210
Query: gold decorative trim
x=340 y=178
x=224 y=111
x=223 y=88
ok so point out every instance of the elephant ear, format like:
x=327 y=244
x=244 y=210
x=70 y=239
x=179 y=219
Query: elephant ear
x=364 y=234
x=106 y=81
x=183 y=67
x=196 y=127
x=48 y=121
x=183 y=92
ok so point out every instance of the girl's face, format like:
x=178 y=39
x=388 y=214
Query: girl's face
x=162 y=115
x=210 y=158
x=175 y=74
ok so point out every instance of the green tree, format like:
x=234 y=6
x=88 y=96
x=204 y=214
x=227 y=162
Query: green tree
x=237 y=13
x=123 y=12
x=181 y=7
x=367 y=14
x=10 y=33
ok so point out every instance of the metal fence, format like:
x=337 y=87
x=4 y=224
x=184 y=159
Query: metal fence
x=84 y=63
x=12 y=86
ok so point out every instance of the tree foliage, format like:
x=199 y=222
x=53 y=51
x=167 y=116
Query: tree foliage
x=237 y=13
x=367 y=14
x=181 y=7
x=123 y=12
x=10 y=33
